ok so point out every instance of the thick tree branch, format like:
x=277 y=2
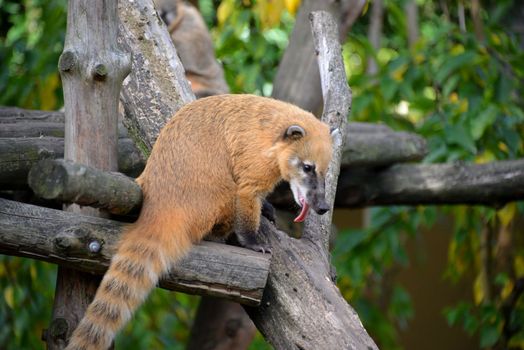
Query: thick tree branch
x=87 y=243
x=28 y=136
x=157 y=86
x=337 y=105
x=18 y=155
x=300 y=294
x=70 y=182
x=492 y=184
x=297 y=79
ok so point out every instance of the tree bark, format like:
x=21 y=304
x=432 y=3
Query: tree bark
x=70 y=182
x=411 y=9
x=478 y=26
x=491 y=184
x=220 y=325
x=297 y=79
x=157 y=86
x=92 y=69
x=375 y=34
x=87 y=243
x=302 y=308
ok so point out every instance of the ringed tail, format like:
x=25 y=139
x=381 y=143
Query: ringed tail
x=140 y=260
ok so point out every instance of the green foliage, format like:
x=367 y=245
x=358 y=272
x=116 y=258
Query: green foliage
x=463 y=96
x=161 y=323
x=248 y=49
x=25 y=303
x=363 y=259
x=31 y=40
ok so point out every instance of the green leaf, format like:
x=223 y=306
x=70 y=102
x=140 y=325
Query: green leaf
x=453 y=64
x=483 y=120
x=458 y=135
x=452 y=316
x=388 y=87
x=489 y=336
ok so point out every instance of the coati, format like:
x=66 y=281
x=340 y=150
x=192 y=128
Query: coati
x=209 y=170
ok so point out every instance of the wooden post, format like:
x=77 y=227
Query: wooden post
x=92 y=70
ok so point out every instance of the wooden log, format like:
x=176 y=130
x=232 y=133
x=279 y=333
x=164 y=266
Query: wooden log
x=70 y=182
x=18 y=155
x=492 y=184
x=220 y=325
x=92 y=67
x=302 y=307
x=372 y=149
x=16 y=115
x=35 y=129
x=297 y=79
x=157 y=86
x=369 y=145
x=22 y=122
x=87 y=243
x=324 y=329
x=19 y=122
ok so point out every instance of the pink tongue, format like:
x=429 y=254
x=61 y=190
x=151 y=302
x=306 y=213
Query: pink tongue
x=303 y=213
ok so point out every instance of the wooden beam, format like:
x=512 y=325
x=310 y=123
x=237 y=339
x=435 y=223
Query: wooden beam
x=87 y=243
x=18 y=155
x=70 y=182
x=492 y=184
x=92 y=67
x=302 y=308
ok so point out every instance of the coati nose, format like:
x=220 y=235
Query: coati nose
x=322 y=207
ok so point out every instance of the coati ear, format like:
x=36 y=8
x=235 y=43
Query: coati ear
x=295 y=132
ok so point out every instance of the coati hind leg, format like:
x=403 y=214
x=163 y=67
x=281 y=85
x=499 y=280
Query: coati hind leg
x=247 y=221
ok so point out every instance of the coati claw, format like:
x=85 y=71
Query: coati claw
x=265 y=249
x=250 y=240
x=262 y=248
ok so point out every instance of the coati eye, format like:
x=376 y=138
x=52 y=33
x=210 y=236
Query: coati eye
x=308 y=167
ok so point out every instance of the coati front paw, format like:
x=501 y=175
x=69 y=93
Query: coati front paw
x=268 y=211
x=249 y=240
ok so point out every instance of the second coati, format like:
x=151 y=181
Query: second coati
x=212 y=165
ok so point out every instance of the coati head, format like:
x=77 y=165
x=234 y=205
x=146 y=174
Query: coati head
x=304 y=164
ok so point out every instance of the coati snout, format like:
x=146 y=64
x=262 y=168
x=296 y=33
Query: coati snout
x=307 y=178
x=309 y=191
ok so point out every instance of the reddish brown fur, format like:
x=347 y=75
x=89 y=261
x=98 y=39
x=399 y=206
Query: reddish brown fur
x=211 y=166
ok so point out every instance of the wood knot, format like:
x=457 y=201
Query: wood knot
x=58 y=328
x=100 y=72
x=67 y=61
x=64 y=242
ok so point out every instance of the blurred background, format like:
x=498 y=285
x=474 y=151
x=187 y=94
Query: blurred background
x=426 y=277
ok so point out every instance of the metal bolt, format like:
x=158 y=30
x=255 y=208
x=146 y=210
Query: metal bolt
x=94 y=247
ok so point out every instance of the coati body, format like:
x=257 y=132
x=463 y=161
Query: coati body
x=210 y=168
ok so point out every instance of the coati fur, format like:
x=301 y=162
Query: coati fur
x=209 y=170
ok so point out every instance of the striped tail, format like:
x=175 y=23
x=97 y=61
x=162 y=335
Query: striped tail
x=134 y=271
